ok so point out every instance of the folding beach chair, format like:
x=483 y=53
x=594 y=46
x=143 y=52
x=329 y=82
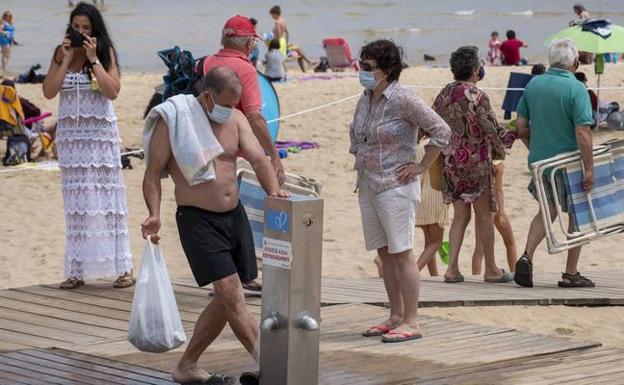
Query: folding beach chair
x=595 y=214
x=339 y=54
x=252 y=197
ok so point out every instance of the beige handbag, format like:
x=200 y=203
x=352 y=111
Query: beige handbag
x=436 y=173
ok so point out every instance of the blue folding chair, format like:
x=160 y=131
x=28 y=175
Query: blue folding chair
x=252 y=197
x=595 y=214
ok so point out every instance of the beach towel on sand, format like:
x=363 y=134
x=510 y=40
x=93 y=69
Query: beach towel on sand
x=193 y=144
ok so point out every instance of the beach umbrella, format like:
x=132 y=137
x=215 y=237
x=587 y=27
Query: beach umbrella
x=587 y=40
x=594 y=36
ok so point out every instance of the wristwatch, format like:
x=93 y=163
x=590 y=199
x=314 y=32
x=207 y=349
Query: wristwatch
x=97 y=61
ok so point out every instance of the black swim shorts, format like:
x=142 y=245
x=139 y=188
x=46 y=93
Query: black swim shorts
x=217 y=244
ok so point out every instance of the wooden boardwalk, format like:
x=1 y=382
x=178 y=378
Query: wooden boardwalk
x=474 y=292
x=49 y=336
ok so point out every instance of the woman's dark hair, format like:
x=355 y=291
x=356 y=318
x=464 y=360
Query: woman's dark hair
x=511 y=34
x=538 y=69
x=99 y=31
x=387 y=55
x=464 y=61
x=578 y=8
x=581 y=77
x=274 y=44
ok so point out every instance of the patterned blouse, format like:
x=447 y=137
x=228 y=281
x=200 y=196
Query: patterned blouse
x=476 y=139
x=383 y=134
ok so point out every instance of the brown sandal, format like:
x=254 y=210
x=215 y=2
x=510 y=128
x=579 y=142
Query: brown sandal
x=125 y=280
x=71 y=283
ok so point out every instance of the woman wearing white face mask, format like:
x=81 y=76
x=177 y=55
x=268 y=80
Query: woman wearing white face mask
x=383 y=140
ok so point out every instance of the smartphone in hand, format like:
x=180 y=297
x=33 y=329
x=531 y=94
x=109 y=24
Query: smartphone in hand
x=75 y=37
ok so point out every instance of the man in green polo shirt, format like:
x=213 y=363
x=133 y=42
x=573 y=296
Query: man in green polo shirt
x=554 y=117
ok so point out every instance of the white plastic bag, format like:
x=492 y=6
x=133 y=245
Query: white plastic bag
x=155 y=324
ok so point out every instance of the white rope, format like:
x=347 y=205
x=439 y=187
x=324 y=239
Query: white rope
x=315 y=108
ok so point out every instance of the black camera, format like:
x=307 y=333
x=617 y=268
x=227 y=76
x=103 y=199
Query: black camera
x=75 y=37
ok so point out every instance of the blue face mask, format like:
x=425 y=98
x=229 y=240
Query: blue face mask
x=219 y=114
x=367 y=80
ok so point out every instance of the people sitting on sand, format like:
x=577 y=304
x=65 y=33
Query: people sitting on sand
x=274 y=63
x=280 y=32
x=383 y=133
x=510 y=50
x=554 y=117
x=494 y=52
x=468 y=172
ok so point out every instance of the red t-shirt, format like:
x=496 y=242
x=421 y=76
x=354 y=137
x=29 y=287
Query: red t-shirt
x=251 y=99
x=511 y=51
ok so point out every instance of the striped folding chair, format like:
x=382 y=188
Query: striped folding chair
x=252 y=197
x=595 y=214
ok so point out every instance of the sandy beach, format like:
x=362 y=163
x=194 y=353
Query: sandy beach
x=32 y=221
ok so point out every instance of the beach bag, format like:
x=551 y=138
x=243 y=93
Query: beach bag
x=181 y=77
x=436 y=173
x=155 y=324
x=17 y=150
x=323 y=65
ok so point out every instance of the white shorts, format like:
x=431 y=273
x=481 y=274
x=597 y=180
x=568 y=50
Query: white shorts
x=389 y=218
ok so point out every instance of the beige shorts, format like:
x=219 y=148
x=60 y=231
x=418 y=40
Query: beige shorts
x=388 y=218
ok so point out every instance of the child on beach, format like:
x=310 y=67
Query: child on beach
x=510 y=50
x=494 y=53
x=274 y=64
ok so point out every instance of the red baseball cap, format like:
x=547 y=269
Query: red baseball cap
x=240 y=26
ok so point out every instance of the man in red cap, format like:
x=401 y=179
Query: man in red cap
x=239 y=38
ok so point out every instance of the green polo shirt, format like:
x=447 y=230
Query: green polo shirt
x=555 y=103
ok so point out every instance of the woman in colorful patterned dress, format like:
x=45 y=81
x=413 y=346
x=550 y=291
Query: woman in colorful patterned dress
x=84 y=70
x=468 y=175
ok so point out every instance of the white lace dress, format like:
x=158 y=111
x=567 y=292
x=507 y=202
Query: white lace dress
x=94 y=193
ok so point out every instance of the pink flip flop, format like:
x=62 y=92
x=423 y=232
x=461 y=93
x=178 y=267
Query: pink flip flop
x=405 y=336
x=376 y=331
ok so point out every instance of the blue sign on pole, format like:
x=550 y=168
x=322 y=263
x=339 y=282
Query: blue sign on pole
x=278 y=221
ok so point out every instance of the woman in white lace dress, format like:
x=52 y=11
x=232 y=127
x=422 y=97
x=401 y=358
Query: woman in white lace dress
x=85 y=72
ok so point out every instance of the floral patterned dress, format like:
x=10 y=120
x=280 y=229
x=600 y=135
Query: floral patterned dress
x=476 y=138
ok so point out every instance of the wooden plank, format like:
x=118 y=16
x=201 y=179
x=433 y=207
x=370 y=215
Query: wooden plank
x=60 y=324
x=59 y=313
x=61 y=370
x=107 y=362
x=30 y=340
x=46 y=331
x=110 y=369
x=29 y=373
x=21 y=376
x=119 y=308
x=7 y=378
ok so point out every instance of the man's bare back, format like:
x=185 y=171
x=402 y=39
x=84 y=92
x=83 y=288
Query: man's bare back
x=280 y=29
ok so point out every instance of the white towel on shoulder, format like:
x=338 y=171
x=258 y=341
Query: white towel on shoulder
x=193 y=144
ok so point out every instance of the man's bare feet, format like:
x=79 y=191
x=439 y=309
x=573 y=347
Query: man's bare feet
x=191 y=373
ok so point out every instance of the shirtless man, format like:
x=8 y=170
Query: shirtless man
x=280 y=29
x=213 y=227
